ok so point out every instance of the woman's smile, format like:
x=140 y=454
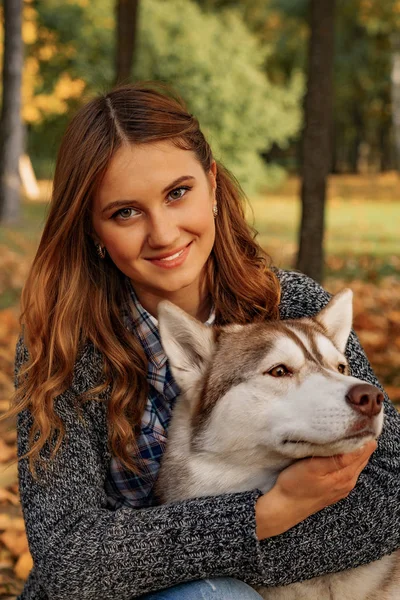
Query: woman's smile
x=170 y=260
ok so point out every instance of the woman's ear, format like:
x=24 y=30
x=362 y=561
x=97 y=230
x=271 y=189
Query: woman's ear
x=212 y=175
x=93 y=236
x=96 y=240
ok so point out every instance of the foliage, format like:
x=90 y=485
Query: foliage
x=362 y=96
x=380 y=17
x=240 y=109
x=362 y=89
x=280 y=26
x=362 y=104
x=69 y=55
x=217 y=66
x=46 y=91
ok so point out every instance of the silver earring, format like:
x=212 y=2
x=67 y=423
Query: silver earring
x=215 y=210
x=101 y=251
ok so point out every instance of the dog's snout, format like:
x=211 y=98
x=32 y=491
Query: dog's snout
x=366 y=399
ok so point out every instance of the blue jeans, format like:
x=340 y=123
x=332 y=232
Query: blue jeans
x=219 y=588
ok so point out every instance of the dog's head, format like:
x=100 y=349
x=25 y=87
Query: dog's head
x=282 y=386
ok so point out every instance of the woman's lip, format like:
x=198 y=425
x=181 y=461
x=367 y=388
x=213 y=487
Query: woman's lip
x=167 y=254
x=173 y=262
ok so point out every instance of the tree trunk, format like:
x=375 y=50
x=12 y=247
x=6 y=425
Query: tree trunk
x=11 y=132
x=317 y=147
x=387 y=159
x=355 y=148
x=127 y=12
x=396 y=94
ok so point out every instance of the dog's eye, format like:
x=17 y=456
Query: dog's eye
x=342 y=368
x=279 y=371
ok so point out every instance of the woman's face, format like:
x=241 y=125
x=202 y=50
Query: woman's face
x=153 y=213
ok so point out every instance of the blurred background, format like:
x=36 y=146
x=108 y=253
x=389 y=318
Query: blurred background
x=300 y=99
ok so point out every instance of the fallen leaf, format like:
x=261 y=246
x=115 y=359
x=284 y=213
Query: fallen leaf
x=8 y=496
x=373 y=340
x=8 y=474
x=7 y=452
x=394 y=316
x=15 y=541
x=4 y=405
x=393 y=393
x=10 y=437
x=370 y=322
x=6 y=560
x=9 y=522
x=23 y=566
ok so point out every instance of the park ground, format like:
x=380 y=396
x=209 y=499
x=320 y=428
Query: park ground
x=362 y=252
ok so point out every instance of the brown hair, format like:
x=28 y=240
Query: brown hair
x=69 y=290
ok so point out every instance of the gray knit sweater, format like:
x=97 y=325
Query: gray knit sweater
x=84 y=549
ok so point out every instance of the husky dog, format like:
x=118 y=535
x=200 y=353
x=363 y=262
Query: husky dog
x=255 y=398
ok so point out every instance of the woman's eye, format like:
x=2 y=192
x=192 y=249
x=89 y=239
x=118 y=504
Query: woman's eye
x=178 y=193
x=125 y=213
x=279 y=371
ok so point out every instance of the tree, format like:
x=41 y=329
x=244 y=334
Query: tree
x=64 y=64
x=396 y=94
x=316 y=146
x=127 y=12
x=241 y=112
x=11 y=138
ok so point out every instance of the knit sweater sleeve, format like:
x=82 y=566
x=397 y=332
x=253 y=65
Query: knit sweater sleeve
x=366 y=525
x=83 y=549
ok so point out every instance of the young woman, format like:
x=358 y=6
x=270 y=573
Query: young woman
x=141 y=212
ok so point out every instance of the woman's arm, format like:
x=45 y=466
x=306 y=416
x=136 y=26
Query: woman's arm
x=82 y=549
x=366 y=525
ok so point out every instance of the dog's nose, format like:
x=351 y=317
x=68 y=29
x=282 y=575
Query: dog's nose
x=366 y=399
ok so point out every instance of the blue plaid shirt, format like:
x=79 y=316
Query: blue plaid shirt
x=124 y=487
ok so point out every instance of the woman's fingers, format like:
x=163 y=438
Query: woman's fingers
x=328 y=465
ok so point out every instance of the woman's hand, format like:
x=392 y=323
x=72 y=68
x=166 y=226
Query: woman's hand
x=307 y=486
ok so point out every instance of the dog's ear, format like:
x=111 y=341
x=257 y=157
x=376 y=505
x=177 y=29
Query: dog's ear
x=337 y=317
x=188 y=344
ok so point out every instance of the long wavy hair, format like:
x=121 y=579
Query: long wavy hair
x=71 y=297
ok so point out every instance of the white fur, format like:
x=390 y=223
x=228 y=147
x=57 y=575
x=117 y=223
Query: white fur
x=190 y=344
x=337 y=318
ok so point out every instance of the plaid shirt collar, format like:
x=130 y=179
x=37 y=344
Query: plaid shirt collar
x=137 y=319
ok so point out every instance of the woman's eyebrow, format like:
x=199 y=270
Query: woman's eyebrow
x=177 y=182
x=169 y=187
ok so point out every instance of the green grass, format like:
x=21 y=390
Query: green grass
x=27 y=231
x=351 y=227
x=364 y=237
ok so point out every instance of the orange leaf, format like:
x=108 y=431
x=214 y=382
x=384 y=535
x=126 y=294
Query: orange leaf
x=373 y=340
x=393 y=393
x=15 y=541
x=23 y=566
x=15 y=523
x=7 y=452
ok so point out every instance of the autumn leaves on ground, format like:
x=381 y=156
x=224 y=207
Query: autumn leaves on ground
x=369 y=264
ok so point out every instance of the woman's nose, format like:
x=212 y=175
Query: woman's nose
x=163 y=230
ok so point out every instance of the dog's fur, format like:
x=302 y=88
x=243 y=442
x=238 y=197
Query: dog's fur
x=237 y=425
